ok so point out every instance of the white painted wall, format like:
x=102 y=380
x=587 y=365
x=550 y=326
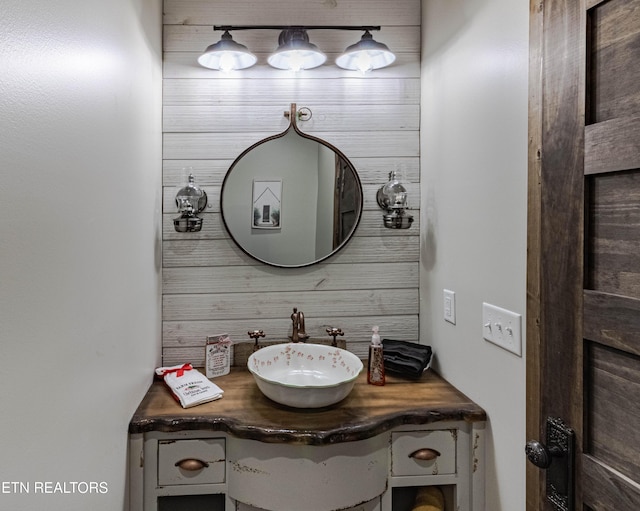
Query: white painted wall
x=474 y=170
x=80 y=188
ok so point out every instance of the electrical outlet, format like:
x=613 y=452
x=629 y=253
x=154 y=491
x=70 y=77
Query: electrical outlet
x=449 y=306
x=502 y=327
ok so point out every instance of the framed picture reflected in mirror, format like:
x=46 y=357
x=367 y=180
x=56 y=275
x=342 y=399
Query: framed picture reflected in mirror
x=267 y=204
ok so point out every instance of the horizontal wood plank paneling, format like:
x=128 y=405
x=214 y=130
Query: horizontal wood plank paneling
x=178 y=334
x=211 y=253
x=227 y=119
x=285 y=90
x=251 y=307
x=612 y=145
x=612 y=320
x=291 y=12
x=259 y=279
x=194 y=253
x=209 y=285
x=230 y=145
x=187 y=338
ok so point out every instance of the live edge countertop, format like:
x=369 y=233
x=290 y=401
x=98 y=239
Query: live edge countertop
x=367 y=411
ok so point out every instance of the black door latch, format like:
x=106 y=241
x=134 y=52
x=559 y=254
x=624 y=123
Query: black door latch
x=556 y=456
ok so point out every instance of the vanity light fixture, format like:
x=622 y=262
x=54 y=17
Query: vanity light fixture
x=227 y=55
x=392 y=197
x=191 y=200
x=295 y=52
x=366 y=55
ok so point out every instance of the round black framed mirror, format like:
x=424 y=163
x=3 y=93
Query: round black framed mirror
x=291 y=200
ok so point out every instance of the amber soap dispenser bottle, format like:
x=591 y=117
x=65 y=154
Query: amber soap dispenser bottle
x=375 y=373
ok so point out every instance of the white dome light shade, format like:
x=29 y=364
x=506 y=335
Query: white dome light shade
x=366 y=55
x=295 y=52
x=227 y=55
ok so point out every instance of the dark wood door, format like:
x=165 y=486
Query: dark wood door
x=583 y=310
x=346 y=200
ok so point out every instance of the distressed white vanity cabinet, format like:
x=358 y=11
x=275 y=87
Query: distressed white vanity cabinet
x=368 y=453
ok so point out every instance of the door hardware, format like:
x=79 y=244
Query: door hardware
x=556 y=456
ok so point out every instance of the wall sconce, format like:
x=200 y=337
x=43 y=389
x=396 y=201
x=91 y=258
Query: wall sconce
x=295 y=52
x=190 y=200
x=393 y=198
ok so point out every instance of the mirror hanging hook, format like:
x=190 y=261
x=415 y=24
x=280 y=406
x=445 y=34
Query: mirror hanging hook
x=294 y=115
x=304 y=114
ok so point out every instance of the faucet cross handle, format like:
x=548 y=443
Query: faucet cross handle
x=334 y=332
x=255 y=335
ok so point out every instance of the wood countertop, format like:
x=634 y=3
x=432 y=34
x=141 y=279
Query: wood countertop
x=367 y=411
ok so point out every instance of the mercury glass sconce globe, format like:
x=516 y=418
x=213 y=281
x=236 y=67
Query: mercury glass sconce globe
x=392 y=197
x=191 y=200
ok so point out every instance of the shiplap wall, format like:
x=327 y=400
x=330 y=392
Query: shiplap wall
x=209 y=285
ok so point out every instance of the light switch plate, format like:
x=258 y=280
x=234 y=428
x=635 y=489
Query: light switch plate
x=449 y=306
x=502 y=327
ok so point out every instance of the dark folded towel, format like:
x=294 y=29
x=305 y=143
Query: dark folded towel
x=405 y=358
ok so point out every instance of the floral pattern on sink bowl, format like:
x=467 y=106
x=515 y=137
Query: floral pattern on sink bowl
x=304 y=375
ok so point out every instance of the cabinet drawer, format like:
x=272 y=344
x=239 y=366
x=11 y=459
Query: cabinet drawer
x=197 y=461
x=372 y=505
x=408 y=446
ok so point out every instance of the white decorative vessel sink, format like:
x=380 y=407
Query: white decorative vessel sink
x=304 y=375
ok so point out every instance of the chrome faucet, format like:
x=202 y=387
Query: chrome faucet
x=299 y=333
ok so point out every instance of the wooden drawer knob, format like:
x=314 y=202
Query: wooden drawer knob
x=424 y=454
x=191 y=464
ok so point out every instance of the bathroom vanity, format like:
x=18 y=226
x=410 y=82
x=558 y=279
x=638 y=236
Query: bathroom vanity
x=370 y=452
